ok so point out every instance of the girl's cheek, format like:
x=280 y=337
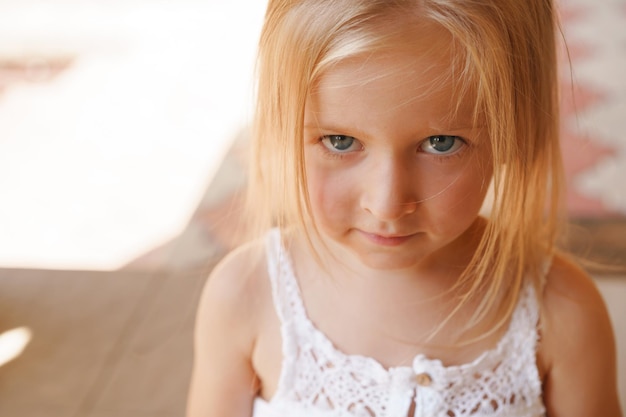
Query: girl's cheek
x=330 y=190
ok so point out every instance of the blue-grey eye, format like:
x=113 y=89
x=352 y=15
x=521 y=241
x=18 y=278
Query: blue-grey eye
x=442 y=144
x=339 y=142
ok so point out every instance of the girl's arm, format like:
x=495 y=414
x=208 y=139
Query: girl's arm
x=578 y=346
x=223 y=382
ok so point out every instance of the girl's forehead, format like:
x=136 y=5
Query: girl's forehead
x=407 y=50
x=405 y=67
x=397 y=89
x=417 y=87
x=413 y=75
x=417 y=63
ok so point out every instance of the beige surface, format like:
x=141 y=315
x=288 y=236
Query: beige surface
x=104 y=344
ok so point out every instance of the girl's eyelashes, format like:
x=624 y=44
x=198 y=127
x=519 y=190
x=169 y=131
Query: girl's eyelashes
x=436 y=145
x=443 y=145
x=340 y=143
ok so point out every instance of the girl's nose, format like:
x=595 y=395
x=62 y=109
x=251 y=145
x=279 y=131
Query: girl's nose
x=389 y=191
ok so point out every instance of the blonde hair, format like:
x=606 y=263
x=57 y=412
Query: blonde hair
x=505 y=54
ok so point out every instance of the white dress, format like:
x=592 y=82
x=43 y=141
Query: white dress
x=318 y=380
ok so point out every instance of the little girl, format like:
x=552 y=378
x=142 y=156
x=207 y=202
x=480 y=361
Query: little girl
x=385 y=285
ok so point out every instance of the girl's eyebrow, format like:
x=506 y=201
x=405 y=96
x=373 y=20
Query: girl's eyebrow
x=320 y=126
x=356 y=130
x=463 y=127
x=330 y=128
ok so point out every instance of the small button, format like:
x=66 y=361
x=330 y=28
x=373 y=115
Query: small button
x=423 y=379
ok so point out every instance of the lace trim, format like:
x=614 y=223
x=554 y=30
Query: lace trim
x=317 y=375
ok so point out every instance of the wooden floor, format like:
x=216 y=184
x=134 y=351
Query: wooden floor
x=103 y=344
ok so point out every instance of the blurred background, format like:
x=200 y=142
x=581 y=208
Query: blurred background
x=122 y=142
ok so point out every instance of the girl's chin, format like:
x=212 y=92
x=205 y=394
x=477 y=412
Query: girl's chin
x=388 y=262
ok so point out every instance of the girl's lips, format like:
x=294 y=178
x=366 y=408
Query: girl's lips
x=386 y=240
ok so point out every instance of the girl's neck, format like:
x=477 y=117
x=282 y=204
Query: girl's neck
x=382 y=299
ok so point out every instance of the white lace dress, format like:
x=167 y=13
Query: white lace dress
x=318 y=380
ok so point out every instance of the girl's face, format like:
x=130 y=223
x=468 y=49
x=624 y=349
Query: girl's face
x=396 y=172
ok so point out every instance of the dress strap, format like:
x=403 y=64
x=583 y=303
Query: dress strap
x=285 y=291
x=526 y=314
x=529 y=305
x=524 y=336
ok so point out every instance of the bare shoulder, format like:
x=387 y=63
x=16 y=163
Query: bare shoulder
x=228 y=318
x=573 y=307
x=232 y=291
x=566 y=280
x=578 y=347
